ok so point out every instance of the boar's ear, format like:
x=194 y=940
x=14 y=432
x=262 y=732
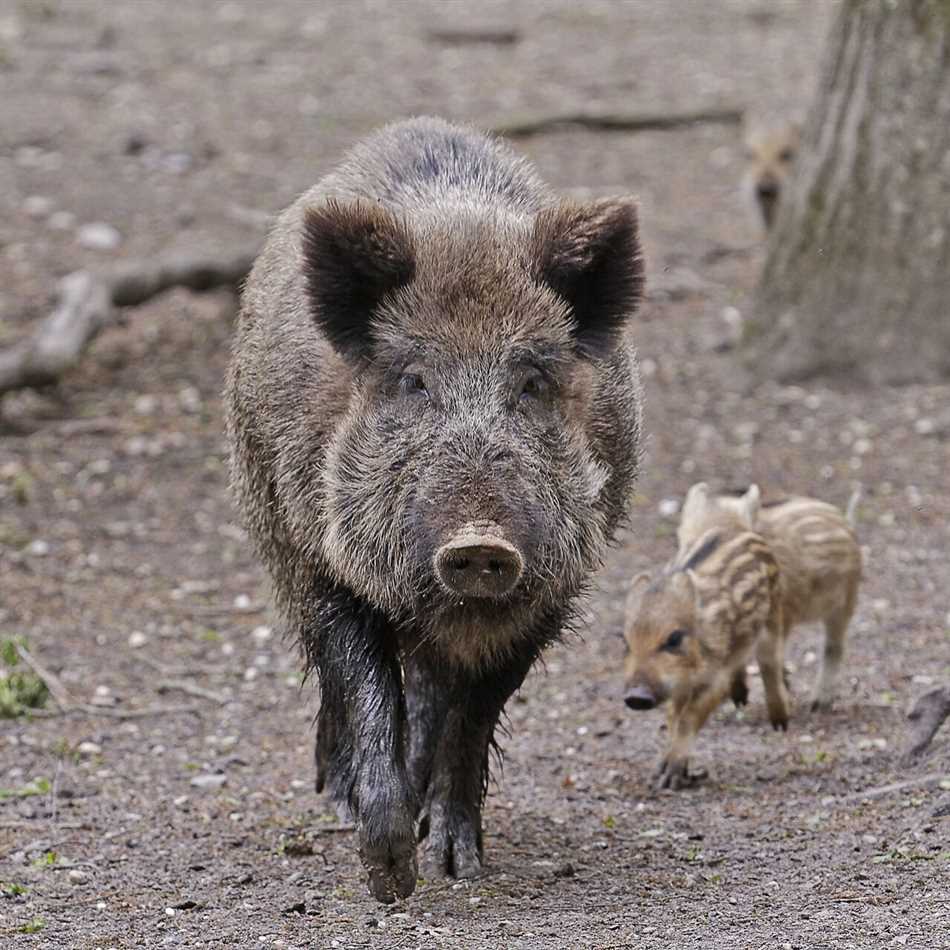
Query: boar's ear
x=590 y=255
x=354 y=254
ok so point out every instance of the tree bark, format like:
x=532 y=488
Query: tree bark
x=857 y=278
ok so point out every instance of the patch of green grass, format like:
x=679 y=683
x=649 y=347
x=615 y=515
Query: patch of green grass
x=12 y=889
x=20 y=690
x=39 y=786
x=46 y=860
x=33 y=926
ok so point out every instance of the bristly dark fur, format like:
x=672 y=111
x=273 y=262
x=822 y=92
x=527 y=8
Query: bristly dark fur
x=432 y=347
x=353 y=256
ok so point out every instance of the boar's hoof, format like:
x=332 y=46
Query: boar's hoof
x=451 y=849
x=821 y=704
x=477 y=564
x=675 y=775
x=391 y=868
x=779 y=721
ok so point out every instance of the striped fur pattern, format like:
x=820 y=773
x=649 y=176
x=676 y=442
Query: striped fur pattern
x=691 y=632
x=820 y=561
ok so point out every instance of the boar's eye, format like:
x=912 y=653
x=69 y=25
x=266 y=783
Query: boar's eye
x=412 y=384
x=674 y=641
x=533 y=386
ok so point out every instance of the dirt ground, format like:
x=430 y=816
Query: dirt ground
x=183 y=127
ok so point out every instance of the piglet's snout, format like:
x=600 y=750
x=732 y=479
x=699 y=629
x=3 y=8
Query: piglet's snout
x=479 y=564
x=640 y=697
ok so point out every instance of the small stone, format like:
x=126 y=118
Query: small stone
x=77 y=877
x=565 y=870
x=99 y=236
x=37 y=206
x=61 y=221
x=38 y=548
x=668 y=507
x=145 y=405
x=250 y=674
x=242 y=602
x=189 y=399
x=260 y=635
x=89 y=748
x=137 y=639
x=210 y=780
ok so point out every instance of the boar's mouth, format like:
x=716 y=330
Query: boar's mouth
x=479 y=562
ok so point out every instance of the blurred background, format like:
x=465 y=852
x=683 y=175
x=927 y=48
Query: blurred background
x=161 y=786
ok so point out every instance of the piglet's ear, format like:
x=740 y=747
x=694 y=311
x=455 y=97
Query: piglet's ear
x=637 y=589
x=590 y=255
x=355 y=253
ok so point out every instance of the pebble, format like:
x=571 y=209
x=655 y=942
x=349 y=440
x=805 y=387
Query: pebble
x=37 y=206
x=38 y=548
x=210 y=780
x=669 y=507
x=99 y=236
x=89 y=748
x=61 y=221
x=137 y=639
x=260 y=635
x=77 y=877
x=145 y=405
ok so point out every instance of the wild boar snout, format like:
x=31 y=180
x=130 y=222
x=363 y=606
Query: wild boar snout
x=479 y=564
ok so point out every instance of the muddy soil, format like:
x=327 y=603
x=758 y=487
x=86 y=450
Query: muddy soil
x=183 y=813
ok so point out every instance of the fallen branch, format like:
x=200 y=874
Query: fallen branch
x=68 y=706
x=881 y=790
x=614 y=122
x=87 y=304
x=927 y=716
x=111 y=712
x=191 y=689
x=52 y=682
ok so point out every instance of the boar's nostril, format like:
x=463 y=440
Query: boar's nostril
x=478 y=565
x=639 y=697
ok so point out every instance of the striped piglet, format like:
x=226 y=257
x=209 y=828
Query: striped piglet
x=744 y=574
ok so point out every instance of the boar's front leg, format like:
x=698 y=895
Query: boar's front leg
x=360 y=737
x=451 y=827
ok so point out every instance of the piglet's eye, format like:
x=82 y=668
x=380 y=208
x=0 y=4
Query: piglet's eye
x=674 y=641
x=412 y=384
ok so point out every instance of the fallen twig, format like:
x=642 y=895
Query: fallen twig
x=191 y=689
x=111 y=712
x=87 y=303
x=463 y=37
x=881 y=790
x=53 y=683
x=614 y=122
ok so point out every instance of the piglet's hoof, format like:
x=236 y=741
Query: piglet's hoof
x=450 y=848
x=674 y=774
x=391 y=868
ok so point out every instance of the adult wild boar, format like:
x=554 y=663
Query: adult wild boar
x=434 y=414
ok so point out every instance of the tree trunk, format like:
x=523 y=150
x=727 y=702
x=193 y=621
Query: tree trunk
x=857 y=279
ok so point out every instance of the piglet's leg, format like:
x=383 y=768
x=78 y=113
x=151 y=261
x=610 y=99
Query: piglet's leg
x=360 y=737
x=770 y=655
x=686 y=719
x=451 y=827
